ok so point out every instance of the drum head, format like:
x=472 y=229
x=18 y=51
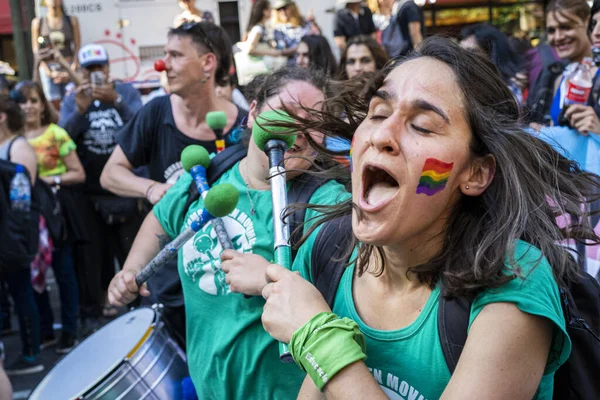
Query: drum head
x=99 y=354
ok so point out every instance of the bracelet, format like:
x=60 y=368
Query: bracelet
x=149 y=190
x=325 y=345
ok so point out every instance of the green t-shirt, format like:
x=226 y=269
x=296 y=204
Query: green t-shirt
x=230 y=356
x=50 y=148
x=409 y=363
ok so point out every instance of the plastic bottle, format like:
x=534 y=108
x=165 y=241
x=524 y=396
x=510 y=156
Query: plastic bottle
x=579 y=86
x=20 y=190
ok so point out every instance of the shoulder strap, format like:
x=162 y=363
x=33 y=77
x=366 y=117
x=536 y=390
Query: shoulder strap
x=300 y=191
x=10 y=145
x=453 y=322
x=327 y=264
x=218 y=166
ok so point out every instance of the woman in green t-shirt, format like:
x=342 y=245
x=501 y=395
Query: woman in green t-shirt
x=451 y=198
x=230 y=356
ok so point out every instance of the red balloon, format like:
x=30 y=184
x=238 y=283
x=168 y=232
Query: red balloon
x=159 y=65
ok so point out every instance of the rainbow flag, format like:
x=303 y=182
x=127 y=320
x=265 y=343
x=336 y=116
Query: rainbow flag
x=434 y=176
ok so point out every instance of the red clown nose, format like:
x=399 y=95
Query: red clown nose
x=159 y=65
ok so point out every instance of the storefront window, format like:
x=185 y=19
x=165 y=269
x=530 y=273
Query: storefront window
x=523 y=19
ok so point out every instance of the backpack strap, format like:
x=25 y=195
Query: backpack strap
x=327 y=264
x=541 y=95
x=300 y=191
x=453 y=322
x=221 y=163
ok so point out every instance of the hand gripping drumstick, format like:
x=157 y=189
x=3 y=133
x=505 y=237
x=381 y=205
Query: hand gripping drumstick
x=275 y=140
x=195 y=160
x=219 y=201
x=217 y=121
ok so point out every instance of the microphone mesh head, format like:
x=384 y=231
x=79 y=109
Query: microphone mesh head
x=221 y=199
x=216 y=119
x=266 y=128
x=194 y=155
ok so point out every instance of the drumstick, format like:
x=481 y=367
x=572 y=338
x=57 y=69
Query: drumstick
x=195 y=160
x=220 y=201
x=274 y=141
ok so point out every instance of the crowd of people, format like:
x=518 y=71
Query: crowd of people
x=424 y=156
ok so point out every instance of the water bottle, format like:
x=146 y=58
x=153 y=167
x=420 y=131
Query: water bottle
x=20 y=190
x=579 y=87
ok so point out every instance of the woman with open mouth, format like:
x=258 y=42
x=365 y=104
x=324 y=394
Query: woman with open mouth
x=451 y=201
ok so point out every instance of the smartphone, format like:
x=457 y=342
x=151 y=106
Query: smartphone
x=97 y=78
x=43 y=43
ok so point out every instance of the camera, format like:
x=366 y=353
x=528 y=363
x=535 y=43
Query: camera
x=97 y=78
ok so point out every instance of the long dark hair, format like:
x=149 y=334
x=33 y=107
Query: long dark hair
x=257 y=13
x=532 y=185
x=496 y=46
x=25 y=87
x=265 y=86
x=378 y=53
x=15 y=118
x=320 y=54
x=593 y=11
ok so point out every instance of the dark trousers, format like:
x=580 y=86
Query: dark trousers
x=20 y=289
x=68 y=288
x=46 y=315
x=4 y=304
x=95 y=259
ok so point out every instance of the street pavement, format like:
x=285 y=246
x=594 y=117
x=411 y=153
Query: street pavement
x=23 y=385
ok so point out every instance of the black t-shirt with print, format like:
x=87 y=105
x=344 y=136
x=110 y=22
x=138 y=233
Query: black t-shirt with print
x=95 y=135
x=151 y=138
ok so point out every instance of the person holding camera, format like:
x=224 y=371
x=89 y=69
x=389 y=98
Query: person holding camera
x=93 y=114
x=58 y=31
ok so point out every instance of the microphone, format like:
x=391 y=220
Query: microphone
x=195 y=160
x=217 y=121
x=275 y=140
x=220 y=201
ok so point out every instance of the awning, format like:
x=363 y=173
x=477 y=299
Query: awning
x=5 y=24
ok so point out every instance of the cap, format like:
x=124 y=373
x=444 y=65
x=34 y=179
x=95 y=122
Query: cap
x=342 y=3
x=277 y=4
x=92 y=54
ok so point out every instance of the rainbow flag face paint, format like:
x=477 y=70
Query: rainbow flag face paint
x=434 y=176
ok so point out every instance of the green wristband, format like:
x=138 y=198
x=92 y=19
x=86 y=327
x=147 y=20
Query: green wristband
x=325 y=345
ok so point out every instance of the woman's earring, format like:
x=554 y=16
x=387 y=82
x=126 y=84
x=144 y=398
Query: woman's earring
x=466 y=187
x=206 y=76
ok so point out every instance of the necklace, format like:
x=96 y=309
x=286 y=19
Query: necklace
x=245 y=179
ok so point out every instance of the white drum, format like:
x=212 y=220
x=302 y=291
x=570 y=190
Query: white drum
x=133 y=357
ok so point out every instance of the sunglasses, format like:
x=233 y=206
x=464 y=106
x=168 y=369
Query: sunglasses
x=282 y=8
x=189 y=26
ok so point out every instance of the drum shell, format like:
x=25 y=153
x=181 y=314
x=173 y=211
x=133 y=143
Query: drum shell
x=154 y=371
x=132 y=357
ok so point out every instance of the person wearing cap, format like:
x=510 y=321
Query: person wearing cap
x=352 y=19
x=93 y=113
